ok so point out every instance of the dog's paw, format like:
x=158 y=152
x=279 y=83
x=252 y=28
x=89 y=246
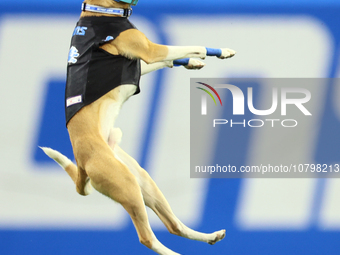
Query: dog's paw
x=218 y=236
x=227 y=53
x=194 y=64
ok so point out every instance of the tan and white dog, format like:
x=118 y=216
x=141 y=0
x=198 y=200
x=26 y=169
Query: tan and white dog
x=101 y=163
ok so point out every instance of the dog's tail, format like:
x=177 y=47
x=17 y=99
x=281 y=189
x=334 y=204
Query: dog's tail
x=62 y=160
x=68 y=166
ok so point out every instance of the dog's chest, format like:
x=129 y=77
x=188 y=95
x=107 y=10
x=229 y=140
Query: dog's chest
x=111 y=104
x=126 y=91
x=121 y=93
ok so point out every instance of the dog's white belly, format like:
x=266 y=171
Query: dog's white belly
x=111 y=108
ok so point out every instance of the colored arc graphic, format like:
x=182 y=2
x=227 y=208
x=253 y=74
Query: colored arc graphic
x=218 y=96
x=208 y=93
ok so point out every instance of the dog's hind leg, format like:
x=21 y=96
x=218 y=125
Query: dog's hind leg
x=112 y=178
x=83 y=183
x=154 y=198
x=78 y=176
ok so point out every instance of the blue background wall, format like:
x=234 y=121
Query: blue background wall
x=221 y=196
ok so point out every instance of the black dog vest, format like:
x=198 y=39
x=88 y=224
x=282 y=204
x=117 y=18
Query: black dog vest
x=91 y=71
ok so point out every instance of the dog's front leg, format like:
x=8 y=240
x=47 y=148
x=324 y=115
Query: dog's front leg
x=148 y=68
x=188 y=63
x=177 y=52
x=134 y=44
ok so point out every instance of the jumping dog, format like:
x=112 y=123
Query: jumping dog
x=101 y=163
